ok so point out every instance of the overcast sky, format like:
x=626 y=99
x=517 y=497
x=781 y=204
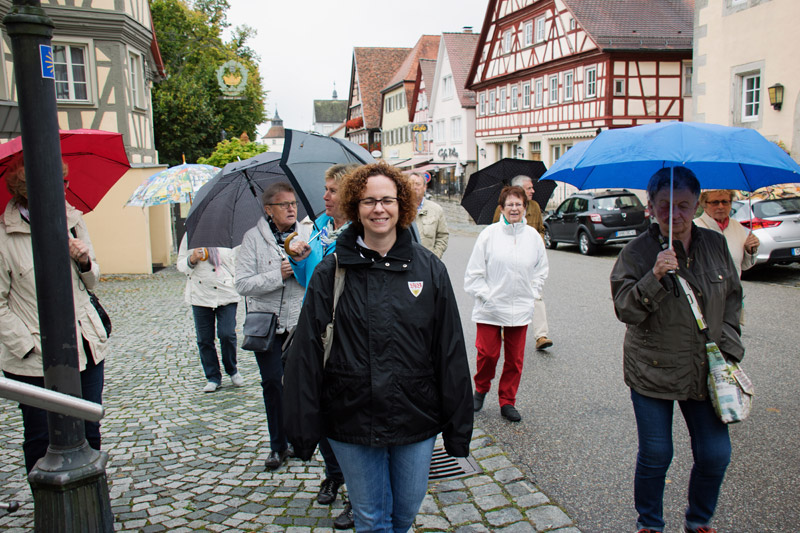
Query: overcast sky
x=306 y=46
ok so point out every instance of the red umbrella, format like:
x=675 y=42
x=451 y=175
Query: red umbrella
x=96 y=161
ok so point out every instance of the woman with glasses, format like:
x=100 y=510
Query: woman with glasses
x=716 y=216
x=397 y=374
x=505 y=276
x=665 y=358
x=264 y=277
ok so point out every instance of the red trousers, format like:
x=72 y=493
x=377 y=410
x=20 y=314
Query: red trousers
x=488 y=344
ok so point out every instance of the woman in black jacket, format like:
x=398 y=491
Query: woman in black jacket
x=397 y=373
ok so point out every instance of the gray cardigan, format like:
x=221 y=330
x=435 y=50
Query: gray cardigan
x=258 y=274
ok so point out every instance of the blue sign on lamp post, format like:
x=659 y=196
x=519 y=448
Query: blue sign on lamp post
x=46 y=55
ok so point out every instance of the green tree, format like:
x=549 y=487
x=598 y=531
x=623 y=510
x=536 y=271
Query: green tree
x=189 y=111
x=233 y=150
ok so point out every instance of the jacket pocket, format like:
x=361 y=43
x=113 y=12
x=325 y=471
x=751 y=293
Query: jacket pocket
x=417 y=397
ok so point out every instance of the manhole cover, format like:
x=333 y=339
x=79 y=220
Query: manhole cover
x=444 y=466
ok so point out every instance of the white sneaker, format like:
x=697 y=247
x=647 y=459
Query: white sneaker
x=237 y=380
x=210 y=387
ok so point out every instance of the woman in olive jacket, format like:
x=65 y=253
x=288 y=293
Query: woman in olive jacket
x=398 y=372
x=664 y=351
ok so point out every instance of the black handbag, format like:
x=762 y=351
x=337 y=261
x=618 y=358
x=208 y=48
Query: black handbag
x=259 y=331
x=100 y=312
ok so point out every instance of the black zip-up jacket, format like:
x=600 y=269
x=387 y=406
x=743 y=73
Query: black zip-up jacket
x=398 y=371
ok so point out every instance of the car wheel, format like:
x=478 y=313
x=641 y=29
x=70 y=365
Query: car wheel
x=549 y=243
x=585 y=244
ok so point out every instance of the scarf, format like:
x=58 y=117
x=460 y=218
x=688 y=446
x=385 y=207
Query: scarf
x=328 y=235
x=280 y=236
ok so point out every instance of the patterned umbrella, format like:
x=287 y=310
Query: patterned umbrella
x=174 y=185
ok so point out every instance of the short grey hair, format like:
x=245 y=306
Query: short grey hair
x=518 y=181
x=682 y=179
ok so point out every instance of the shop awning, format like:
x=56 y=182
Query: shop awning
x=413 y=162
x=432 y=167
x=499 y=139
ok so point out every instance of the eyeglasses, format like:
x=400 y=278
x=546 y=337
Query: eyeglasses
x=514 y=205
x=718 y=202
x=386 y=201
x=285 y=205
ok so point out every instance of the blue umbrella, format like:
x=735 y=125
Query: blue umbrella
x=722 y=157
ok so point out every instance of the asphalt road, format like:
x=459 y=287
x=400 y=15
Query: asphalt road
x=577 y=439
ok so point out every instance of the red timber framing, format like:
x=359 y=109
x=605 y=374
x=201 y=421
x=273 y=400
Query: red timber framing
x=538 y=70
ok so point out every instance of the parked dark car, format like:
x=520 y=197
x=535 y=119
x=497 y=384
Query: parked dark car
x=776 y=223
x=593 y=219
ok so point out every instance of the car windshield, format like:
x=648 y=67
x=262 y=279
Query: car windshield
x=776 y=208
x=611 y=203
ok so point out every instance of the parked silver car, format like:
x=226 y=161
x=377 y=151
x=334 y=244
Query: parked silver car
x=776 y=223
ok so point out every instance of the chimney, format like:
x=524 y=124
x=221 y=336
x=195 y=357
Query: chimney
x=467 y=29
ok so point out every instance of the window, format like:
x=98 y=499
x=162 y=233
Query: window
x=440 y=131
x=447 y=87
x=553 y=89
x=492 y=102
x=751 y=97
x=590 y=79
x=568 y=85
x=571 y=24
x=528 y=32
x=389 y=104
x=455 y=129
x=619 y=87
x=526 y=95
x=503 y=98
x=538 y=93
x=556 y=153
x=482 y=103
x=540 y=29
x=507 y=42
x=687 y=78
x=69 y=63
x=514 y=98
x=135 y=62
x=535 y=149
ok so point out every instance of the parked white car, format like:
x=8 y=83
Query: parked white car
x=776 y=223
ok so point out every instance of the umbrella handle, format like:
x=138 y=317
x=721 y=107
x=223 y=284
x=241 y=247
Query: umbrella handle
x=287 y=242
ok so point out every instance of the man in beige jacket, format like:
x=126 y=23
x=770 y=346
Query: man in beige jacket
x=430 y=221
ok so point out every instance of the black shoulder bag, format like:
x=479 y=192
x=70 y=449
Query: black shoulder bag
x=94 y=299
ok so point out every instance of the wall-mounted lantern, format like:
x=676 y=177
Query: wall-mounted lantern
x=776 y=96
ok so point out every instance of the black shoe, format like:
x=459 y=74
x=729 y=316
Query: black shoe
x=477 y=400
x=510 y=413
x=276 y=459
x=345 y=519
x=328 y=490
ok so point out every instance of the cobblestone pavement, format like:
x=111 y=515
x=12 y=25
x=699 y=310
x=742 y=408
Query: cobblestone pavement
x=181 y=460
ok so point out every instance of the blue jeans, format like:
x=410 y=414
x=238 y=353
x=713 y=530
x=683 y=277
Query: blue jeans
x=386 y=485
x=34 y=420
x=271 y=369
x=225 y=317
x=711 y=449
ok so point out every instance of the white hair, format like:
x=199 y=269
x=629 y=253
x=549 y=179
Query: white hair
x=517 y=181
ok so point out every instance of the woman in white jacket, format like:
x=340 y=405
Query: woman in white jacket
x=505 y=275
x=211 y=293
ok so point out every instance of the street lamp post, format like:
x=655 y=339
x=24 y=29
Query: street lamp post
x=69 y=484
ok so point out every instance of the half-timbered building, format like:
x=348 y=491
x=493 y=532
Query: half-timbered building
x=106 y=59
x=550 y=73
x=371 y=71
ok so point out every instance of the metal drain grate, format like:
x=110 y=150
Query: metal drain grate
x=444 y=466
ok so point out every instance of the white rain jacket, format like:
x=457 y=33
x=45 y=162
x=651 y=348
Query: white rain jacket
x=209 y=286
x=19 y=311
x=506 y=274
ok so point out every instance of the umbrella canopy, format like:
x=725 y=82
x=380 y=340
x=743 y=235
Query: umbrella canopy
x=230 y=204
x=174 y=185
x=722 y=157
x=96 y=161
x=484 y=186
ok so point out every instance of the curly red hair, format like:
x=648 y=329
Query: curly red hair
x=354 y=183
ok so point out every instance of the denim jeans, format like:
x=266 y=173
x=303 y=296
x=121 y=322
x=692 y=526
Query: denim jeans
x=271 y=369
x=34 y=420
x=386 y=485
x=225 y=317
x=711 y=449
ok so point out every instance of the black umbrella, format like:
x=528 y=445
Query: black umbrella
x=230 y=203
x=484 y=186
